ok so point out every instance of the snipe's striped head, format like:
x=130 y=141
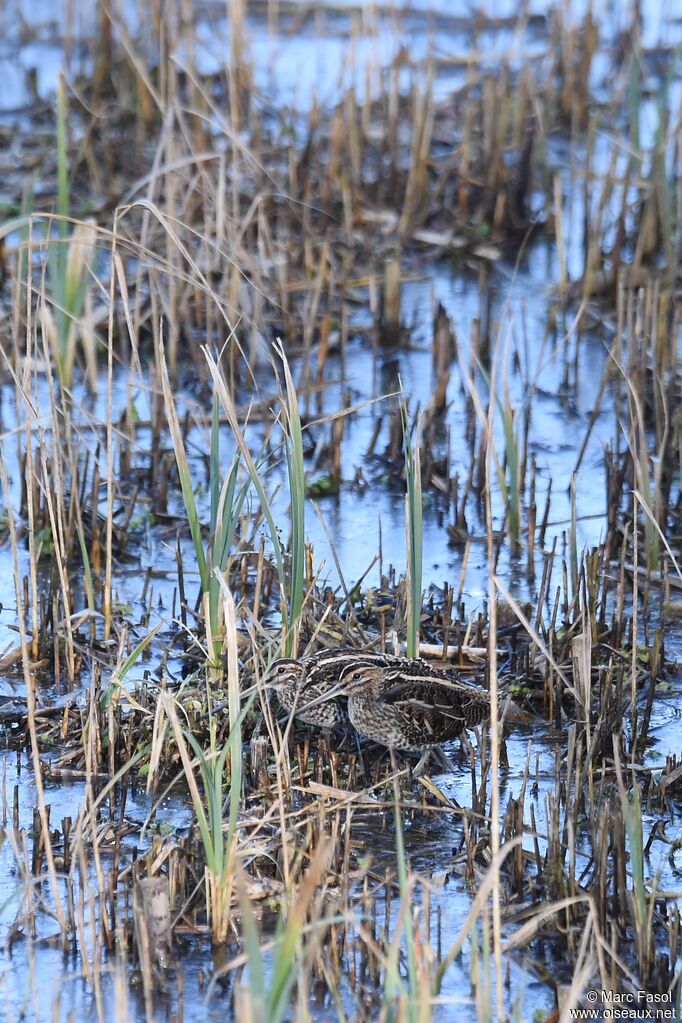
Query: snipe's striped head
x=286 y=673
x=309 y=701
x=361 y=678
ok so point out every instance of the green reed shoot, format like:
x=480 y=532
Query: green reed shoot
x=510 y=484
x=67 y=258
x=642 y=905
x=509 y=471
x=216 y=844
x=293 y=441
x=124 y=666
x=650 y=495
x=184 y=475
x=269 y=1000
x=393 y=982
x=258 y=995
x=291 y=586
x=227 y=499
x=414 y=535
x=254 y=475
x=632 y=816
x=217 y=783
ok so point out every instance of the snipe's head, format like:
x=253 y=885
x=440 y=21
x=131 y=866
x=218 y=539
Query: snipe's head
x=361 y=678
x=286 y=673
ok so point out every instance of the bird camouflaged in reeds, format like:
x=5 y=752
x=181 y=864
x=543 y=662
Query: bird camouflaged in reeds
x=413 y=712
x=295 y=692
x=302 y=686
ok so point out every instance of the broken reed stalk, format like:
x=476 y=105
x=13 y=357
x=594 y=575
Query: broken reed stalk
x=390 y=302
x=108 y=541
x=293 y=443
x=56 y=464
x=30 y=682
x=413 y=532
x=25 y=389
x=494 y=708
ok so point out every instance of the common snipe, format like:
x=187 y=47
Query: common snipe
x=299 y=684
x=295 y=690
x=411 y=712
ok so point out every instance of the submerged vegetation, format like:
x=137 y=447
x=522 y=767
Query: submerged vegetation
x=231 y=433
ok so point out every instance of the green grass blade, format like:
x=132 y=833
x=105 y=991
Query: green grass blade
x=214 y=468
x=414 y=535
x=183 y=471
x=296 y=478
x=254 y=957
x=87 y=571
x=406 y=899
x=62 y=157
x=231 y=414
x=130 y=660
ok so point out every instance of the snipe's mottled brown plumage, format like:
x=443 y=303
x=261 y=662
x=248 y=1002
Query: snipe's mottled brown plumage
x=330 y=663
x=289 y=678
x=410 y=712
x=300 y=683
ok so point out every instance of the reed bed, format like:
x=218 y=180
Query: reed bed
x=181 y=292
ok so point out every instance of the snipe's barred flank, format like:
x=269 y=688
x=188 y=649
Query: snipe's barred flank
x=408 y=711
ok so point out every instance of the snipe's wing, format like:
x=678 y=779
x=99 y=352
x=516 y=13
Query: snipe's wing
x=429 y=712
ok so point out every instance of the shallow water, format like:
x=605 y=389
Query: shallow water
x=292 y=68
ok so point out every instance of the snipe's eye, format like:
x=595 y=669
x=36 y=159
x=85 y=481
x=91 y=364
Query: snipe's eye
x=282 y=669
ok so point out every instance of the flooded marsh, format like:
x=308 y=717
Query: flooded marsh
x=331 y=332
